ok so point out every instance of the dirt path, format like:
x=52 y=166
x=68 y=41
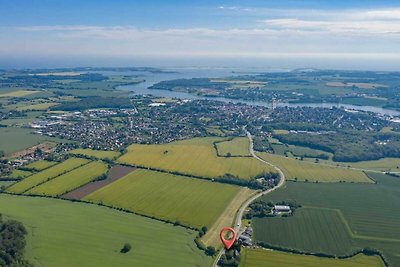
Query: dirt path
x=115 y=173
x=244 y=206
x=212 y=236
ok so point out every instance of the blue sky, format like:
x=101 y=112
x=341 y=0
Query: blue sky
x=270 y=33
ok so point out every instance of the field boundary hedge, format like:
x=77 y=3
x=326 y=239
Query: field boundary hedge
x=365 y=251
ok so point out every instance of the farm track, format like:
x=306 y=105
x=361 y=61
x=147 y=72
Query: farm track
x=239 y=215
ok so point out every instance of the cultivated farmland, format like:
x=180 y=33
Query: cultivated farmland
x=99 y=154
x=235 y=147
x=40 y=165
x=18 y=93
x=303 y=170
x=369 y=212
x=192 y=202
x=192 y=157
x=267 y=258
x=65 y=234
x=311 y=229
x=47 y=174
x=71 y=180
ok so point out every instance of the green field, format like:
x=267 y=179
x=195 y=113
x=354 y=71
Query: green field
x=19 y=174
x=299 y=231
x=236 y=147
x=99 y=154
x=18 y=93
x=193 y=157
x=40 y=165
x=65 y=234
x=304 y=170
x=267 y=258
x=298 y=151
x=39 y=106
x=385 y=164
x=49 y=173
x=15 y=139
x=192 y=202
x=369 y=214
x=71 y=180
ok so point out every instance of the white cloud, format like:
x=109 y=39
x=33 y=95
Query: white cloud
x=331 y=34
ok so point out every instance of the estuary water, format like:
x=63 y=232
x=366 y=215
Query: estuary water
x=187 y=73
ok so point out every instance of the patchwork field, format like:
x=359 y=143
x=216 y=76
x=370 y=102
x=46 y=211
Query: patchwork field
x=64 y=234
x=40 y=165
x=47 y=174
x=19 y=174
x=303 y=170
x=368 y=211
x=267 y=258
x=18 y=93
x=71 y=180
x=193 y=157
x=99 y=154
x=235 y=147
x=192 y=202
x=116 y=172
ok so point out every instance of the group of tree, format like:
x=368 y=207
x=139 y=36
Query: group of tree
x=95 y=102
x=12 y=244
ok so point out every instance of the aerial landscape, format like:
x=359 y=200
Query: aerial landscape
x=208 y=134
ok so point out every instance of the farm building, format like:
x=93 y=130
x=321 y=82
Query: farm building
x=278 y=209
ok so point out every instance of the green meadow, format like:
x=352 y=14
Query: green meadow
x=65 y=234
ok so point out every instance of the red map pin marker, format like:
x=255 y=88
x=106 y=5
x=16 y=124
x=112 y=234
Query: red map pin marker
x=227 y=243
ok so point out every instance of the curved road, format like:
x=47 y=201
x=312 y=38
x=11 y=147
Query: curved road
x=239 y=215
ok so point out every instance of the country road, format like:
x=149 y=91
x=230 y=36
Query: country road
x=239 y=215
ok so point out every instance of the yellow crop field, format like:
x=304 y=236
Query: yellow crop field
x=71 y=180
x=196 y=157
x=192 y=202
x=99 y=154
x=235 y=147
x=40 y=165
x=269 y=258
x=47 y=174
x=303 y=170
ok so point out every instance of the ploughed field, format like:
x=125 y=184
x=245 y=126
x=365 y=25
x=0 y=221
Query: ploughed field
x=267 y=258
x=191 y=202
x=196 y=157
x=337 y=219
x=63 y=234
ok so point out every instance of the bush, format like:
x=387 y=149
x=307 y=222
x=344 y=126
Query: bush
x=126 y=248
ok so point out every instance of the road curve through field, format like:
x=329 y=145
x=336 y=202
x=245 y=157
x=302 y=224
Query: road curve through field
x=239 y=215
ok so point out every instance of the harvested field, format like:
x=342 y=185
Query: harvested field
x=114 y=174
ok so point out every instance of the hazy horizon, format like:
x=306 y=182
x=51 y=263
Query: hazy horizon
x=288 y=34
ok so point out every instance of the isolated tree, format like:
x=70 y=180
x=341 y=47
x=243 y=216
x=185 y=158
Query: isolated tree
x=126 y=248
